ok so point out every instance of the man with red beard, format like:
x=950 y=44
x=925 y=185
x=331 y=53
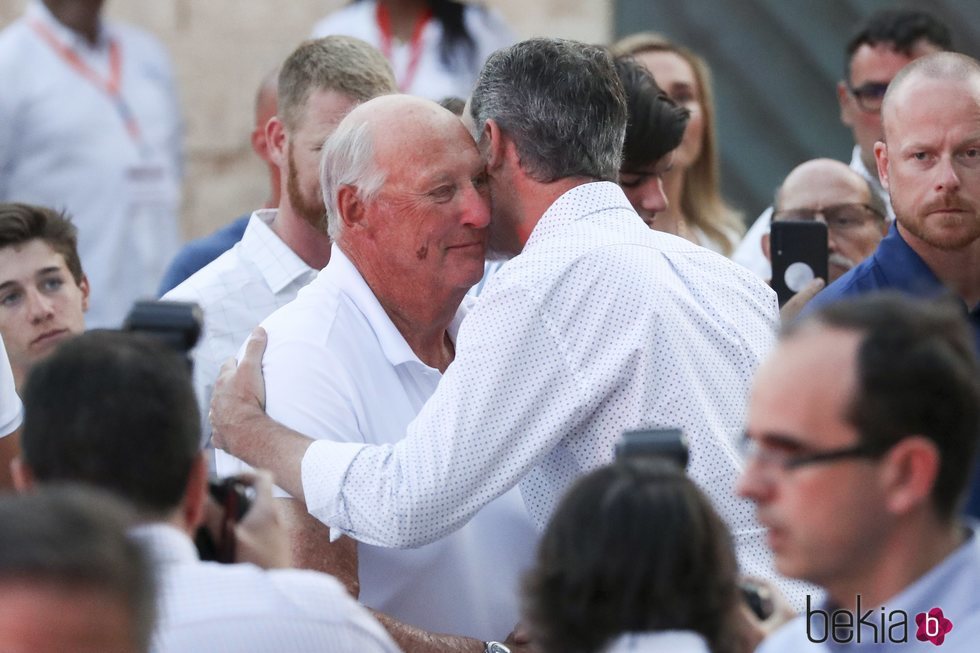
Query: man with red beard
x=930 y=163
x=283 y=249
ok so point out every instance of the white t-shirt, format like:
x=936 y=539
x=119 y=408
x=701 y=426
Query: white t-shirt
x=432 y=78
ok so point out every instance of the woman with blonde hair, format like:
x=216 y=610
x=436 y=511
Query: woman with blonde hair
x=697 y=210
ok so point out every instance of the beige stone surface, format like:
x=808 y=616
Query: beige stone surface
x=221 y=49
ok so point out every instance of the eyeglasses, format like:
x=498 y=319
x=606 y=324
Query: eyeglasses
x=869 y=96
x=774 y=458
x=838 y=217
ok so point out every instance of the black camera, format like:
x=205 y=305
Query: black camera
x=670 y=444
x=235 y=498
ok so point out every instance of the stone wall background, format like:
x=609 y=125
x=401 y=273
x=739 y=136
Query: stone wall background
x=221 y=49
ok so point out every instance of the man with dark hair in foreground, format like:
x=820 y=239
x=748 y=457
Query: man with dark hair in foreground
x=117 y=411
x=862 y=426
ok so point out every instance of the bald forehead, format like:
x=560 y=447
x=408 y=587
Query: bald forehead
x=405 y=123
x=946 y=71
x=821 y=182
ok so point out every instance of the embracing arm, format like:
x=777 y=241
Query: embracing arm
x=241 y=427
x=505 y=402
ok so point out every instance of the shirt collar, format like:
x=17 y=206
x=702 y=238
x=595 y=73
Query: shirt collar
x=345 y=275
x=950 y=585
x=38 y=11
x=903 y=268
x=164 y=544
x=595 y=196
x=278 y=264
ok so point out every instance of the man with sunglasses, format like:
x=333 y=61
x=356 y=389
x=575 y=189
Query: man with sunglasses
x=861 y=428
x=829 y=191
x=888 y=40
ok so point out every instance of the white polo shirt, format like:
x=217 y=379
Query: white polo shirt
x=336 y=368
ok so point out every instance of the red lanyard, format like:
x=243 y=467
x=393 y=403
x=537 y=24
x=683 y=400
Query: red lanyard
x=110 y=86
x=384 y=24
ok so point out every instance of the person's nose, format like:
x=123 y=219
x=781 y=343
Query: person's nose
x=40 y=307
x=653 y=199
x=753 y=484
x=476 y=207
x=947 y=178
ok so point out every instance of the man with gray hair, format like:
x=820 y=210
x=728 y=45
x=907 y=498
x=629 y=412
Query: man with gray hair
x=70 y=577
x=282 y=249
x=596 y=326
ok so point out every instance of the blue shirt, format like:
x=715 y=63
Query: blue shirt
x=894 y=265
x=198 y=253
x=951 y=585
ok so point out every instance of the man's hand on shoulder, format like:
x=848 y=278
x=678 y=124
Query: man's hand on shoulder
x=238 y=400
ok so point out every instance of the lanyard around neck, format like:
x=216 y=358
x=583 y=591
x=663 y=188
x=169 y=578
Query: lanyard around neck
x=415 y=45
x=110 y=85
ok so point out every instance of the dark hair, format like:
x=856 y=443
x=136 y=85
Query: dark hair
x=901 y=29
x=22 y=223
x=117 y=411
x=633 y=547
x=655 y=125
x=562 y=104
x=917 y=374
x=457 y=46
x=76 y=537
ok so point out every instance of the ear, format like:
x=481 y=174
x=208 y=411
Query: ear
x=350 y=206
x=910 y=472
x=84 y=287
x=195 y=494
x=765 y=247
x=276 y=141
x=260 y=142
x=22 y=475
x=843 y=100
x=492 y=145
x=881 y=159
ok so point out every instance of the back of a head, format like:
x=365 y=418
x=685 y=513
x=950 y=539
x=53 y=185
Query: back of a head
x=562 y=104
x=342 y=64
x=656 y=124
x=73 y=542
x=901 y=29
x=656 y=557
x=116 y=411
x=917 y=374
